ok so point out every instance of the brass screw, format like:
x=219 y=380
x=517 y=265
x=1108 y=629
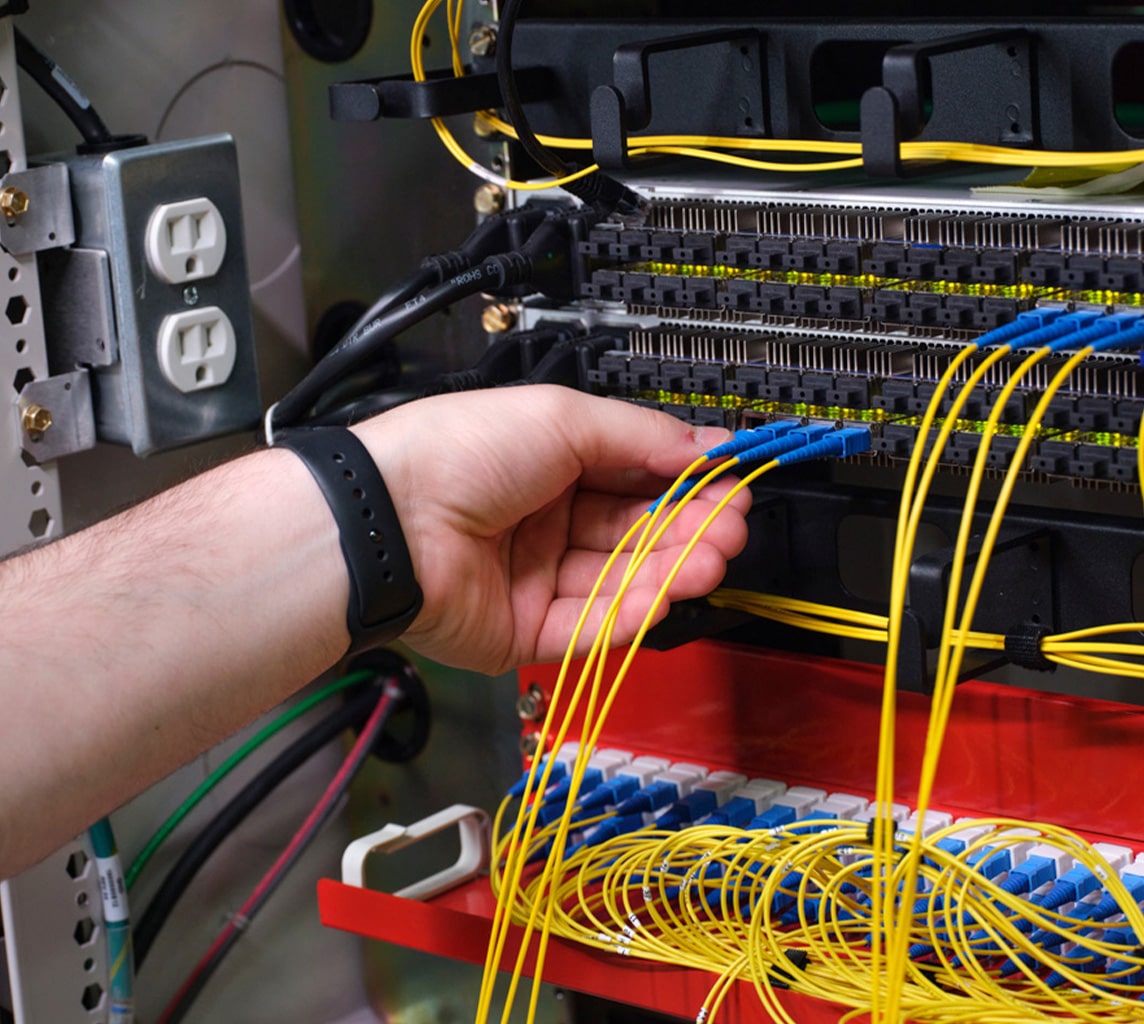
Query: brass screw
x=483 y=41
x=488 y=199
x=530 y=744
x=530 y=705
x=13 y=202
x=35 y=419
x=481 y=128
x=497 y=318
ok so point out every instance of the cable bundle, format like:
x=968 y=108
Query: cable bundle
x=772 y=446
x=1078 y=648
x=791 y=908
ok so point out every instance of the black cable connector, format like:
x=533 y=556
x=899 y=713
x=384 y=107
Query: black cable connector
x=547 y=262
x=552 y=250
x=597 y=189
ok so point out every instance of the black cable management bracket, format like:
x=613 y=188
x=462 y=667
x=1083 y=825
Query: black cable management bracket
x=626 y=105
x=999 y=60
x=986 y=81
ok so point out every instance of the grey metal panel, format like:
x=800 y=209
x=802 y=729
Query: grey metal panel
x=49 y=970
x=26 y=491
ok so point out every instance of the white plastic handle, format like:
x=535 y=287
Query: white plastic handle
x=473 y=825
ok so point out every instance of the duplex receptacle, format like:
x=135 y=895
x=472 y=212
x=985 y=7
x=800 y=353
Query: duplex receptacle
x=169 y=218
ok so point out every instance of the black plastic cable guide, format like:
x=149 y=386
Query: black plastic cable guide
x=440 y=95
x=1051 y=569
x=1000 y=61
x=734 y=55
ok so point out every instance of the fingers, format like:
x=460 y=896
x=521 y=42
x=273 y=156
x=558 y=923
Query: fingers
x=612 y=434
x=599 y=521
x=700 y=573
x=564 y=613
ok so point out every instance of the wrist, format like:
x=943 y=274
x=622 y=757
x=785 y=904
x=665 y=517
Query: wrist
x=384 y=596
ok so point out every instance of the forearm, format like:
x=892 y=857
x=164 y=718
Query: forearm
x=131 y=647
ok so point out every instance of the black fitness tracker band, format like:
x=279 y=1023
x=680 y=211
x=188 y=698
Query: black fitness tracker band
x=384 y=594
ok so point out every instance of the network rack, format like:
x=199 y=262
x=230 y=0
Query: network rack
x=837 y=300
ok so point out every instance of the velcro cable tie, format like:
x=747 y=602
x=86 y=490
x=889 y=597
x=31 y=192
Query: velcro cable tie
x=1023 y=646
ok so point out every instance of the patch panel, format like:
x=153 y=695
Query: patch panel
x=836 y=306
x=734 y=379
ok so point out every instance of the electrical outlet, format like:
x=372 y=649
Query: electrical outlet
x=197 y=348
x=169 y=218
x=186 y=241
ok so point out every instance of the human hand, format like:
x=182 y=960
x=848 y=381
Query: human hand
x=511 y=501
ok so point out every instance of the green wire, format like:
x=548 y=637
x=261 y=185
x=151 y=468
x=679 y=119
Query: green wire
x=234 y=761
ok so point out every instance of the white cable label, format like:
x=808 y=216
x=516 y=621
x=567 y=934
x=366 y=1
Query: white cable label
x=112 y=889
x=70 y=88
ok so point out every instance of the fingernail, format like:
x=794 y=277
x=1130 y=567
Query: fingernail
x=709 y=437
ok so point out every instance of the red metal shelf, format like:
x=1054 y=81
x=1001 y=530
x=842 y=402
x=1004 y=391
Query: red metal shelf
x=456 y=925
x=802 y=720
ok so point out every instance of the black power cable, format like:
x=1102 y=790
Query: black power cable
x=352 y=715
x=510 y=96
x=499 y=233
x=50 y=77
x=356 y=348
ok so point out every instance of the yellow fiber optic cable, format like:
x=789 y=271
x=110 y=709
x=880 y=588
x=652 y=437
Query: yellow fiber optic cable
x=952 y=662
x=526 y=819
x=909 y=515
x=1071 y=649
x=913 y=497
x=613 y=897
x=597 y=660
x=899 y=945
x=593 y=732
x=967 y=152
x=514 y=866
x=526 y=823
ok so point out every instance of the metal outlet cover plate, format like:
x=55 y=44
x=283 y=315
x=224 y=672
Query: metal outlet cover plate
x=115 y=196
